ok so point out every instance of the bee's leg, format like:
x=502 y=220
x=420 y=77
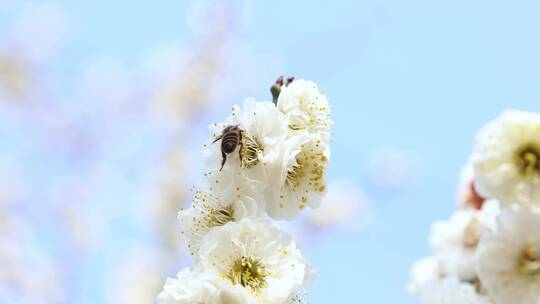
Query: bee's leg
x=240 y=146
x=223 y=159
x=217 y=138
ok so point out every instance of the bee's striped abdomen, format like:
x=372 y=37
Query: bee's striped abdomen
x=229 y=142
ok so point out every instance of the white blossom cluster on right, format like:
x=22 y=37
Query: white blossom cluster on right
x=267 y=161
x=489 y=249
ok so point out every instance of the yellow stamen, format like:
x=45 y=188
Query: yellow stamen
x=248 y=272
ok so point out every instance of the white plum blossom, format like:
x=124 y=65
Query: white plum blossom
x=298 y=180
x=451 y=291
x=225 y=197
x=508 y=258
x=455 y=241
x=189 y=287
x=306 y=108
x=423 y=271
x=489 y=250
x=255 y=255
x=264 y=162
x=202 y=287
x=506 y=158
x=199 y=287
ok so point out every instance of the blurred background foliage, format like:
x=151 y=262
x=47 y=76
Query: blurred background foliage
x=104 y=107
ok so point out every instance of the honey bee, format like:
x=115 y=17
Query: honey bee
x=231 y=137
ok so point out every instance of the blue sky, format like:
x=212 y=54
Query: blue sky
x=417 y=76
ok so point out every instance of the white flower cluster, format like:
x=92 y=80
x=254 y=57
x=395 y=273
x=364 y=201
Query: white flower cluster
x=489 y=250
x=265 y=162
